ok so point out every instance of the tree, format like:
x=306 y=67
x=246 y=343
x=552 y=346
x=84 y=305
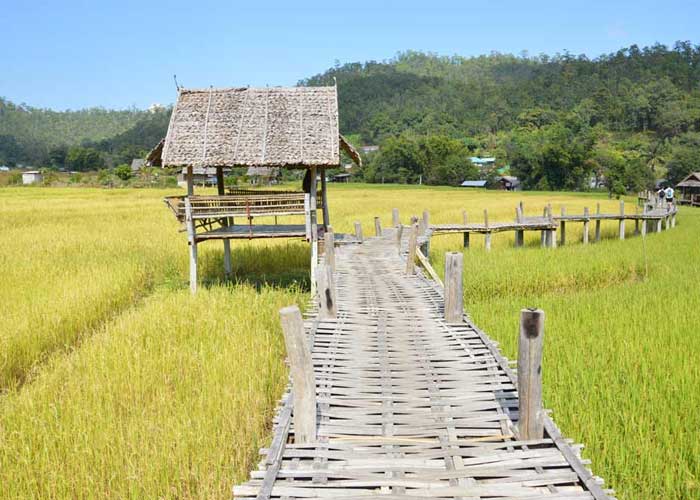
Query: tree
x=685 y=157
x=123 y=172
x=82 y=159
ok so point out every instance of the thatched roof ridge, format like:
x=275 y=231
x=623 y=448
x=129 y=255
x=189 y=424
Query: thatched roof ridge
x=293 y=127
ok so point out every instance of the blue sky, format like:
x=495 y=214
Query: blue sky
x=76 y=54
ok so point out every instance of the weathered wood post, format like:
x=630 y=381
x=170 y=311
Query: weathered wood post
x=673 y=215
x=543 y=233
x=412 y=243
x=192 y=243
x=425 y=226
x=465 y=235
x=329 y=246
x=377 y=226
x=324 y=200
x=399 y=235
x=325 y=286
x=426 y=221
x=487 y=234
x=562 y=227
x=530 y=344
x=658 y=225
x=622 y=219
x=313 y=223
x=519 y=233
x=551 y=233
x=221 y=190
x=586 y=223
x=597 y=223
x=454 y=296
x=636 y=220
x=395 y=221
x=465 y=219
x=301 y=371
x=358 y=232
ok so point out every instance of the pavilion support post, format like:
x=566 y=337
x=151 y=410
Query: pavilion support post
x=358 y=232
x=190 y=181
x=622 y=219
x=221 y=190
x=192 y=243
x=411 y=257
x=314 y=228
x=586 y=224
x=530 y=344
x=597 y=224
x=324 y=201
x=487 y=234
x=329 y=248
x=325 y=285
x=377 y=226
x=395 y=220
x=454 y=295
x=562 y=227
x=301 y=370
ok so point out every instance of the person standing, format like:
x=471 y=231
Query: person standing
x=668 y=192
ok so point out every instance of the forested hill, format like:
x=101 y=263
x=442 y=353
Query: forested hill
x=654 y=88
x=624 y=118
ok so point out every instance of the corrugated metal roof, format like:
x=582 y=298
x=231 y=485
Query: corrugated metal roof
x=473 y=184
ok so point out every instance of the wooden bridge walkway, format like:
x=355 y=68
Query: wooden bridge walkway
x=408 y=405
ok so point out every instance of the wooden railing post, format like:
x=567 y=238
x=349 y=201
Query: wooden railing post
x=586 y=223
x=399 y=235
x=465 y=220
x=358 y=232
x=395 y=221
x=622 y=219
x=426 y=221
x=377 y=226
x=597 y=223
x=454 y=296
x=530 y=343
x=487 y=234
x=519 y=233
x=329 y=245
x=301 y=370
x=544 y=233
x=562 y=227
x=325 y=287
x=411 y=257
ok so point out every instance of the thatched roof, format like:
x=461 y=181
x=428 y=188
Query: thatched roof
x=155 y=156
x=293 y=127
x=692 y=180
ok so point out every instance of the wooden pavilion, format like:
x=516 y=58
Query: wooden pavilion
x=690 y=190
x=295 y=127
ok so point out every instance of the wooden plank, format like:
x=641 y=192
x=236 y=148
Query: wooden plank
x=302 y=375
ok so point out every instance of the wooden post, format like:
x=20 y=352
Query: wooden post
x=543 y=234
x=377 y=226
x=190 y=181
x=519 y=233
x=426 y=221
x=487 y=234
x=329 y=247
x=314 y=228
x=412 y=243
x=673 y=217
x=645 y=223
x=597 y=223
x=221 y=190
x=465 y=220
x=562 y=227
x=325 y=285
x=399 y=235
x=586 y=224
x=301 y=371
x=358 y=231
x=622 y=219
x=454 y=296
x=551 y=234
x=395 y=221
x=530 y=344
x=658 y=225
x=324 y=201
x=465 y=243
x=192 y=243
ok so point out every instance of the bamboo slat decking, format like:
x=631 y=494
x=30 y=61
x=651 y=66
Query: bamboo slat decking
x=409 y=406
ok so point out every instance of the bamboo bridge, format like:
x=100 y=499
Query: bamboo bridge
x=396 y=394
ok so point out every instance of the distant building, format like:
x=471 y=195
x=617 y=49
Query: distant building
x=32 y=177
x=369 y=149
x=690 y=190
x=4 y=168
x=344 y=177
x=509 y=183
x=137 y=164
x=473 y=184
x=259 y=176
x=201 y=176
x=483 y=162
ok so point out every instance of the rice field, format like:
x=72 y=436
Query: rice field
x=117 y=383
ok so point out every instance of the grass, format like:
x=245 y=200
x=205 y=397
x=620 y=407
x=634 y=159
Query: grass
x=118 y=383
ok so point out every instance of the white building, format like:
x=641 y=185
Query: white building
x=32 y=177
